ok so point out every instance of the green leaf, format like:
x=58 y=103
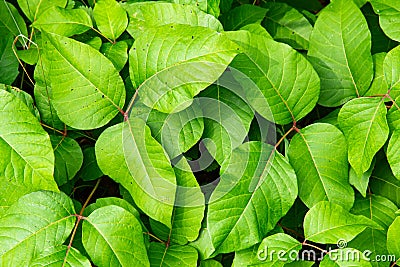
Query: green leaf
x=89 y=170
x=117 y=53
x=112 y=236
x=34 y=8
x=257 y=187
x=11 y=22
x=24 y=97
x=138 y=163
x=284 y=77
x=393 y=153
x=159 y=56
x=85 y=95
x=111 y=19
x=36 y=222
x=378 y=85
x=54 y=257
x=209 y=6
x=66 y=22
x=210 y=263
x=162 y=256
x=256 y=29
x=287 y=25
x=68 y=158
x=111 y=201
x=361 y=183
x=393 y=236
x=319 y=159
x=8 y=61
x=27 y=160
x=144 y=16
x=392 y=72
x=243 y=15
x=328 y=223
x=380 y=210
x=339 y=50
x=345 y=257
x=393 y=116
x=363 y=122
x=389 y=21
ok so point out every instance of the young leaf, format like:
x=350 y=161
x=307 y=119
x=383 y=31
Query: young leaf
x=345 y=257
x=112 y=236
x=36 y=222
x=138 y=163
x=54 y=257
x=257 y=187
x=110 y=17
x=393 y=237
x=34 y=8
x=160 y=55
x=162 y=256
x=242 y=15
x=388 y=12
x=340 y=46
x=66 y=22
x=85 y=95
x=393 y=153
x=319 y=159
x=363 y=122
x=27 y=161
x=284 y=77
x=143 y=16
x=328 y=223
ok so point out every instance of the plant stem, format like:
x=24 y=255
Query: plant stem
x=312 y=246
x=51 y=128
x=153 y=236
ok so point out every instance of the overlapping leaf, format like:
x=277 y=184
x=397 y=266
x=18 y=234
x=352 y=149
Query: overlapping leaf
x=110 y=17
x=162 y=256
x=393 y=238
x=209 y=6
x=34 y=8
x=392 y=71
x=243 y=15
x=55 y=256
x=389 y=21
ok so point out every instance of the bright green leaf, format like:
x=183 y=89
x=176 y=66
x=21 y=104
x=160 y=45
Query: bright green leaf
x=162 y=256
x=24 y=97
x=11 y=22
x=393 y=153
x=393 y=237
x=117 y=53
x=392 y=71
x=378 y=85
x=389 y=20
x=361 y=183
x=209 y=6
x=111 y=19
x=34 y=8
x=111 y=201
x=54 y=257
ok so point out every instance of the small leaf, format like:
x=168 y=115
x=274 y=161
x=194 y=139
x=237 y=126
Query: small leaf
x=363 y=122
x=85 y=95
x=110 y=17
x=328 y=223
x=393 y=153
x=345 y=257
x=36 y=222
x=319 y=159
x=54 y=257
x=34 y=8
x=388 y=12
x=393 y=237
x=112 y=236
x=346 y=67
x=378 y=85
x=243 y=15
x=361 y=183
x=162 y=256
x=117 y=53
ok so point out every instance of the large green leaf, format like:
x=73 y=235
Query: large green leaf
x=34 y=8
x=8 y=61
x=380 y=210
x=27 y=160
x=36 y=222
x=138 y=163
x=319 y=159
x=393 y=237
x=243 y=15
x=363 y=122
x=143 y=16
x=345 y=257
x=340 y=51
x=110 y=17
x=328 y=223
x=175 y=60
x=392 y=71
x=389 y=21
x=284 y=77
x=257 y=187
x=85 y=94
x=209 y=6
x=66 y=22
x=286 y=24
x=55 y=256
x=162 y=256
x=393 y=153
x=112 y=236
x=11 y=22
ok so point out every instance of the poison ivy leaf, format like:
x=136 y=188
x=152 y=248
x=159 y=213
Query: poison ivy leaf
x=23 y=96
x=287 y=25
x=363 y=122
x=8 y=62
x=256 y=29
x=203 y=243
x=66 y=22
x=210 y=263
x=11 y=22
x=111 y=201
x=361 y=183
x=389 y=21
x=34 y=8
x=241 y=16
x=227 y=120
x=392 y=72
x=85 y=95
x=162 y=256
x=380 y=210
x=138 y=163
x=27 y=160
x=110 y=17
x=174 y=60
x=68 y=158
x=143 y=16
x=209 y=6
x=339 y=50
x=328 y=223
x=95 y=42
x=34 y=223
x=112 y=236
x=257 y=187
x=89 y=170
x=117 y=53
x=393 y=236
x=393 y=116
x=319 y=159
x=379 y=85
x=345 y=257
x=393 y=153
x=285 y=78
x=55 y=256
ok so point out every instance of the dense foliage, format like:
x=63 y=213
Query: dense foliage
x=199 y=133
